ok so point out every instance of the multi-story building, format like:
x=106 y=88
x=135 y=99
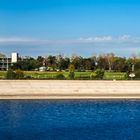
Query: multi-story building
x=5 y=62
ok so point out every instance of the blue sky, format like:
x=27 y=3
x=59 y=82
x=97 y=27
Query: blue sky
x=82 y=27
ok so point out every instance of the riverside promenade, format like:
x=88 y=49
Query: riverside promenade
x=69 y=89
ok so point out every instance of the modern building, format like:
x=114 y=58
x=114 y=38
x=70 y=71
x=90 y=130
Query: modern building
x=14 y=57
x=5 y=62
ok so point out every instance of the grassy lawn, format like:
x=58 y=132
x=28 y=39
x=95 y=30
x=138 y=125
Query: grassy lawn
x=52 y=75
x=41 y=75
x=2 y=74
x=114 y=75
x=78 y=75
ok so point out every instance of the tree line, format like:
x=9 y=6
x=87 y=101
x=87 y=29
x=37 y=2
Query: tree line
x=109 y=62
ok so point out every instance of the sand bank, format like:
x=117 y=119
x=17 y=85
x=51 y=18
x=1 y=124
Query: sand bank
x=67 y=89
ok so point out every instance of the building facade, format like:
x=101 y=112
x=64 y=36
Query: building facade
x=6 y=62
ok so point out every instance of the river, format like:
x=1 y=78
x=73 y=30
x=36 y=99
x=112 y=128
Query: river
x=69 y=120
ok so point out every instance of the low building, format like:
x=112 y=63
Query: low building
x=6 y=62
x=42 y=68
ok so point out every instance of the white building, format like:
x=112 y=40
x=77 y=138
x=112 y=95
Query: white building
x=5 y=62
x=14 y=57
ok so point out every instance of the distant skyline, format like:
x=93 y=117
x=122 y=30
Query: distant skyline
x=82 y=27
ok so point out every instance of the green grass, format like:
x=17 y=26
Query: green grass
x=52 y=75
x=114 y=75
x=41 y=75
x=2 y=74
x=82 y=75
x=78 y=75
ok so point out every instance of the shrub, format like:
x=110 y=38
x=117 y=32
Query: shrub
x=71 y=68
x=28 y=77
x=99 y=74
x=71 y=75
x=137 y=75
x=10 y=74
x=60 y=77
x=19 y=74
x=126 y=76
x=93 y=76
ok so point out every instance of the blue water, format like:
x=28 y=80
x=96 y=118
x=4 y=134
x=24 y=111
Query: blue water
x=69 y=120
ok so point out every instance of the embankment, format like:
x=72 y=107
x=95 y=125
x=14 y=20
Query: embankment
x=67 y=89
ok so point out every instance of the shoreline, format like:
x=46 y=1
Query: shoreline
x=69 y=89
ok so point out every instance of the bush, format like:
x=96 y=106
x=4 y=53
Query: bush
x=28 y=77
x=60 y=77
x=71 y=75
x=10 y=74
x=93 y=76
x=19 y=74
x=99 y=74
x=71 y=68
x=126 y=76
x=137 y=75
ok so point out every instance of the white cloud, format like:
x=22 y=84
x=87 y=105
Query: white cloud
x=111 y=39
x=124 y=37
x=17 y=40
x=92 y=40
x=97 y=39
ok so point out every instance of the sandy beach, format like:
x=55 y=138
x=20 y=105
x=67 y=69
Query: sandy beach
x=67 y=89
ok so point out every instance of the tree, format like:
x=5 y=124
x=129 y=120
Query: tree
x=71 y=68
x=109 y=59
x=71 y=72
x=27 y=64
x=50 y=61
x=136 y=64
x=62 y=63
x=137 y=75
x=94 y=62
x=87 y=64
x=19 y=74
x=102 y=64
x=77 y=61
x=10 y=74
x=119 y=64
x=40 y=61
x=129 y=63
